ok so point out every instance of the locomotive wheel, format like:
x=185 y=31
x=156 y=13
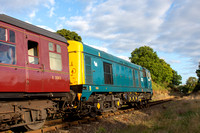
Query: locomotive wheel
x=138 y=105
x=146 y=103
x=93 y=114
x=32 y=117
x=35 y=126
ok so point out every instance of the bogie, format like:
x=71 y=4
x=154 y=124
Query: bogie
x=35 y=119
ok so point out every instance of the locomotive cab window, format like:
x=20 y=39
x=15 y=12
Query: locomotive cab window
x=33 y=52
x=108 y=76
x=2 y=34
x=55 y=57
x=144 y=73
x=149 y=75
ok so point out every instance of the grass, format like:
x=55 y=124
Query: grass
x=101 y=130
x=157 y=87
x=181 y=116
x=162 y=92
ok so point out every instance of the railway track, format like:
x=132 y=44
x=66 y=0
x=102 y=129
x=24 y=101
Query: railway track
x=59 y=125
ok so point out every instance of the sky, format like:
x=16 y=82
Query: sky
x=170 y=27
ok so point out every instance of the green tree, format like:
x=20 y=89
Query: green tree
x=176 y=80
x=197 y=88
x=183 y=89
x=69 y=35
x=191 y=83
x=198 y=73
x=146 y=57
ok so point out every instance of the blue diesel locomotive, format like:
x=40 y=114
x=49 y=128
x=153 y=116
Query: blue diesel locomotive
x=104 y=82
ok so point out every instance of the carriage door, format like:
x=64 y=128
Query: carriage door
x=34 y=70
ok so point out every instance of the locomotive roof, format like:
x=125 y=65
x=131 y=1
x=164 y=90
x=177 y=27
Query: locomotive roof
x=30 y=27
x=94 y=51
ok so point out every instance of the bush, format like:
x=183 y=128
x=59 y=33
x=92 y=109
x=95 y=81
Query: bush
x=184 y=89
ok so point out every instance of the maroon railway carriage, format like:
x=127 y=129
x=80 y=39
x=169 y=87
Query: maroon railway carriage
x=32 y=60
x=33 y=65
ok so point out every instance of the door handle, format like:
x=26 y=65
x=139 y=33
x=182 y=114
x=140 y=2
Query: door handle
x=42 y=68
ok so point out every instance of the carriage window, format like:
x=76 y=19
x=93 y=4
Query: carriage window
x=51 y=47
x=108 y=76
x=55 y=61
x=3 y=34
x=7 y=53
x=12 y=36
x=33 y=52
x=55 y=58
x=58 y=48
